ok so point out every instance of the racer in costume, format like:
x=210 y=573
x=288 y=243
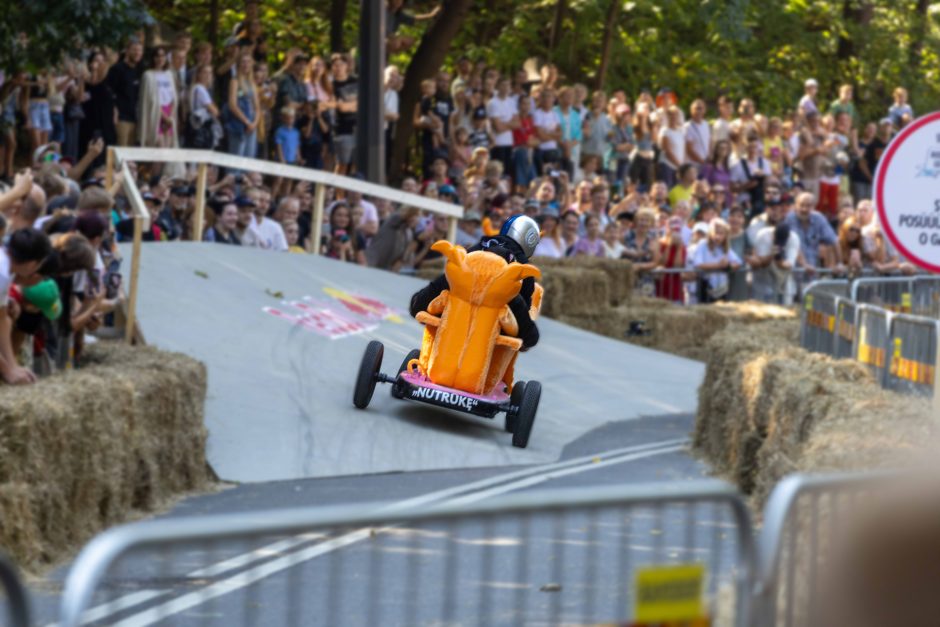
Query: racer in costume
x=516 y=241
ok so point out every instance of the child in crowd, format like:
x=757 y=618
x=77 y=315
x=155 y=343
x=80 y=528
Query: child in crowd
x=613 y=247
x=287 y=142
x=315 y=130
x=292 y=233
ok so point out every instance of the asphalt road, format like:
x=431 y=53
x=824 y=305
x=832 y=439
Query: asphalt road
x=544 y=569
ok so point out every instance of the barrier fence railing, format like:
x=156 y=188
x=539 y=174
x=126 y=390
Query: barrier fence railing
x=567 y=557
x=12 y=595
x=118 y=158
x=600 y=553
x=802 y=518
x=902 y=350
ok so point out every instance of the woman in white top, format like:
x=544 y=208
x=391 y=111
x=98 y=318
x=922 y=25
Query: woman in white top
x=158 y=103
x=551 y=244
x=715 y=257
x=202 y=110
x=157 y=110
x=672 y=146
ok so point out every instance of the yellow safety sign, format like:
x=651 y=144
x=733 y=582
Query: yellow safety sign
x=670 y=593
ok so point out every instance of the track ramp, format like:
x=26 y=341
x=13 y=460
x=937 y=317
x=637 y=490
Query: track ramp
x=282 y=336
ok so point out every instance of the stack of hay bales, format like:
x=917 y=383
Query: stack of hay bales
x=85 y=449
x=768 y=408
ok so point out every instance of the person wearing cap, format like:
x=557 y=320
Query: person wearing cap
x=480 y=135
x=125 y=227
x=175 y=216
x=775 y=252
x=517 y=241
x=807 y=103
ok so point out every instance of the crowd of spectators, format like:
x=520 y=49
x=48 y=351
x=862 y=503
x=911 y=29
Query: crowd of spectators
x=708 y=204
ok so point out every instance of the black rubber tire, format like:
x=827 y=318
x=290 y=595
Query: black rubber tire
x=369 y=367
x=414 y=354
x=526 y=415
x=514 y=399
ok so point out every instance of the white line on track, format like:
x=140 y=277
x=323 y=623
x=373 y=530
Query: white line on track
x=461 y=494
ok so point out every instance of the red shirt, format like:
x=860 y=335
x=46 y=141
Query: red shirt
x=521 y=135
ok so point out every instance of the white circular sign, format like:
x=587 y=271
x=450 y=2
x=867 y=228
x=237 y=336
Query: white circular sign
x=907 y=192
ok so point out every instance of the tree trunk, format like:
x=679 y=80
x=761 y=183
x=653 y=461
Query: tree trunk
x=554 y=36
x=426 y=61
x=919 y=34
x=855 y=14
x=610 y=27
x=337 y=19
x=214 y=23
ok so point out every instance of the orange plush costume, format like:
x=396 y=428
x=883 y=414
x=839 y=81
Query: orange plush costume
x=469 y=338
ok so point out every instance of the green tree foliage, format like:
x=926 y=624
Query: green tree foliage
x=45 y=30
x=764 y=50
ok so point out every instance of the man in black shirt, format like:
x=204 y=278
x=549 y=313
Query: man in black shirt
x=346 y=92
x=875 y=148
x=124 y=81
x=440 y=105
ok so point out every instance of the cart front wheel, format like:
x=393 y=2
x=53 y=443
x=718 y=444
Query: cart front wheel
x=368 y=369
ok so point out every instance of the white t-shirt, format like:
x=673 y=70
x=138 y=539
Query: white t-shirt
x=675 y=137
x=80 y=279
x=502 y=109
x=705 y=254
x=763 y=280
x=391 y=103
x=548 y=247
x=201 y=100
x=270 y=234
x=548 y=121
x=369 y=212
x=699 y=134
x=166 y=90
x=721 y=130
x=615 y=251
x=6 y=278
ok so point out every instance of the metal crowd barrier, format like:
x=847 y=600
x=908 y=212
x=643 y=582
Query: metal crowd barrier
x=926 y=298
x=846 y=325
x=13 y=595
x=913 y=355
x=818 y=316
x=902 y=350
x=874 y=331
x=530 y=559
x=802 y=517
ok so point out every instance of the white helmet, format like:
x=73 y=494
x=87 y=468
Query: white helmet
x=524 y=231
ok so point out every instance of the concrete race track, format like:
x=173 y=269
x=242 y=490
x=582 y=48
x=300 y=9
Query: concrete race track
x=280 y=393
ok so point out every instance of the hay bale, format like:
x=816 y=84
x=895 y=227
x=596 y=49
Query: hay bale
x=768 y=408
x=84 y=449
x=675 y=329
x=573 y=292
x=619 y=273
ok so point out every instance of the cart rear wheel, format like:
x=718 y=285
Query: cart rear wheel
x=368 y=369
x=525 y=417
x=515 y=399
